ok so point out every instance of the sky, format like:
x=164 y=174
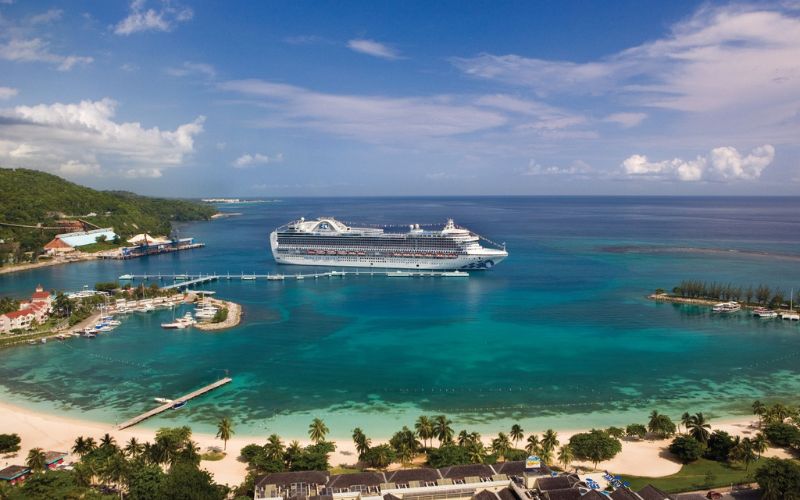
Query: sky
x=329 y=98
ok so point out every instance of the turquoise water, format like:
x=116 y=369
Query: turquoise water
x=560 y=334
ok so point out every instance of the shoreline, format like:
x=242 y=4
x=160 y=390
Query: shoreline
x=665 y=297
x=17 y=268
x=233 y=319
x=58 y=432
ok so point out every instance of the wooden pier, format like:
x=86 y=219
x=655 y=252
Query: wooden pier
x=191 y=282
x=167 y=406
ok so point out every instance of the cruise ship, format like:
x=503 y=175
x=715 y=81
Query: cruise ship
x=329 y=242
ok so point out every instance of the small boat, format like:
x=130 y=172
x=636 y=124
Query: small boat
x=126 y=277
x=32 y=342
x=398 y=274
x=248 y=277
x=275 y=277
x=337 y=273
x=791 y=316
x=455 y=274
x=163 y=400
x=178 y=405
x=300 y=277
x=180 y=277
x=726 y=307
x=763 y=312
x=106 y=329
x=89 y=335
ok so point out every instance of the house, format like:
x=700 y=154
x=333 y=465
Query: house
x=79 y=239
x=38 y=309
x=57 y=246
x=15 y=474
x=52 y=459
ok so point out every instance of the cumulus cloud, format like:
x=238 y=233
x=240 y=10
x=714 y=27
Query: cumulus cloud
x=373 y=48
x=38 y=50
x=578 y=168
x=75 y=168
x=369 y=118
x=7 y=93
x=626 y=120
x=721 y=164
x=78 y=138
x=251 y=160
x=191 y=68
x=46 y=17
x=140 y=18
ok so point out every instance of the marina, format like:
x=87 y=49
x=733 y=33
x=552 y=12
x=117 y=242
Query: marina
x=176 y=403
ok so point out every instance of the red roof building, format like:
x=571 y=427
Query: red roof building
x=56 y=246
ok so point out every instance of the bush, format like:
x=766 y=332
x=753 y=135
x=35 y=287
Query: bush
x=779 y=479
x=449 y=455
x=380 y=456
x=687 y=448
x=220 y=316
x=636 y=430
x=616 y=432
x=106 y=286
x=781 y=434
x=514 y=455
x=595 y=446
x=719 y=448
x=9 y=443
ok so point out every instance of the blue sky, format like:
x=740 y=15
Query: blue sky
x=273 y=99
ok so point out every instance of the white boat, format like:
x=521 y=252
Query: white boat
x=186 y=321
x=106 y=329
x=455 y=274
x=275 y=277
x=206 y=313
x=162 y=400
x=300 y=277
x=114 y=322
x=126 y=277
x=727 y=307
x=791 y=316
x=180 y=277
x=763 y=312
x=398 y=274
x=248 y=277
x=337 y=273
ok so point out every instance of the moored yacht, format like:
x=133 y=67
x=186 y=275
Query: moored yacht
x=763 y=312
x=727 y=307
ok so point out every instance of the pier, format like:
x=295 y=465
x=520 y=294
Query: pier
x=167 y=406
x=198 y=279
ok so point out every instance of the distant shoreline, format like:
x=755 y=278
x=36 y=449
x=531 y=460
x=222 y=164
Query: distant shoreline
x=15 y=268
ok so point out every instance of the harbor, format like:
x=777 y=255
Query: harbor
x=176 y=403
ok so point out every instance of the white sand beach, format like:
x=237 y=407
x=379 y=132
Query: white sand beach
x=57 y=433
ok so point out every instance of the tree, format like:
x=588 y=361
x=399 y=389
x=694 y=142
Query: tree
x=779 y=479
x=405 y=444
x=743 y=452
x=380 y=456
x=638 y=431
x=476 y=453
x=616 y=432
x=9 y=443
x=698 y=427
x=720 y=444
x=186 y=482
x=516 y=434
x=759 y=443
x=144 y=482
x=449 y=454
x=533 y=444
x=565 y=456
x=687 y=449
x=595 y=446
x=108 y=441
x=549 y=440
x=782 y=434
x=546 y=456
x=362 y=442
x=36 y=460
x=442 y=429
x=759 y=409
x=224 y=431
x=501 y=444
x=274 y=449
x=133 y=448
x=424 y=428
x=660 y=425
x=463 y=438
x=317 y=430
x=686 y=418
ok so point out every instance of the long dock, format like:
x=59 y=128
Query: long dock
x=167 y=406
x=197 y=279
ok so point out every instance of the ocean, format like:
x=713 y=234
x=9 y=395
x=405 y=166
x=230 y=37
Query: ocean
x=560 y=334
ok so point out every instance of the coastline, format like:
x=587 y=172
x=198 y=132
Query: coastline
x=57 y=432
x=15 y=268
x=665 y=297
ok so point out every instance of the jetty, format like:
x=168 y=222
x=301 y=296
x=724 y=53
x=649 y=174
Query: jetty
x=166 y=406
x=187 y=280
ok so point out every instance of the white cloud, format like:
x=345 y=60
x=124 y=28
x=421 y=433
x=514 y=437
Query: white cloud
x=7 y=93
x=373 y=48
x=626 y=120
x=578 y=168
x=722 y=164
x=369 y=118
x=46 y=17
x=191 y=68
x=138 y=173
x=38 y=50
x=141 y=19
x=74 y=137
x=75 y=168
x=129 y=67
x=250 y=160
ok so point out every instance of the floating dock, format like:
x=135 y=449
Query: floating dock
x=167 y=406
x=198 y=279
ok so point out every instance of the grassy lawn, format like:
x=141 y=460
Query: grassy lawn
x=699 y=475
x=212 y=456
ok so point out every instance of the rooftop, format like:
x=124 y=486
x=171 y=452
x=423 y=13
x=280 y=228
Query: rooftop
x=13 y=472
x=462 y=471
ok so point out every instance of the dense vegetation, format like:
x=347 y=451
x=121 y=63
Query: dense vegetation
x=759 y=295
x=31 y=197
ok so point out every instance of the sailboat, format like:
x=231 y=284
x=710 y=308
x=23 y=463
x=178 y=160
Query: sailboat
x=791 y=315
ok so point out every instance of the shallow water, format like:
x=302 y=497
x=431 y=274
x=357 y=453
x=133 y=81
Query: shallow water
x=560 y=334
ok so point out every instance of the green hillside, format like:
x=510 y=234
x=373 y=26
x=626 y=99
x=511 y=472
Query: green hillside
x=31 y=197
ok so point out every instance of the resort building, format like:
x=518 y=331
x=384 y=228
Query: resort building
x=61 y=242
x=503 y=481
x=15 y=474
x=37 y=309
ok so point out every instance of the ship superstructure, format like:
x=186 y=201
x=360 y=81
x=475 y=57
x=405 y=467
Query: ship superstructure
x=329 y=242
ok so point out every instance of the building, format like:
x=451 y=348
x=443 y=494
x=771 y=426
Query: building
x=52 y=459
x=79 y=239
x=37 y=309
x=15 y=474
x=57 y=246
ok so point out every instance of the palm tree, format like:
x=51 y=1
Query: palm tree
x=293 y=451
x=744 y=452
x=424 y=428
x=516 y=434
x=759 y=409
x=463 y=438
x=566 y=456
x=546 y=456
x=760 y=444
x=91 y=444
x=107 y=441
x=476 y=452
x=224 y=431
x=533 y=444
x=317 y=430
x=442 y=429
x=81 y=446
x=686 y=418
x=362 y=442
x=501 y=444
x=274 y=448
x=36 y=460
x=699 y=428
x=405 y=453
x=133 y=448
x=549 y=440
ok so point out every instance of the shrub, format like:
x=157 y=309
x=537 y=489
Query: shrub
x=595 y=446
x=781 y=434
x=636 y=430
x=720 y=444
x=687 y=449
x=9 y=443
x=449 y=455
x=779 y=479
x=380 y=456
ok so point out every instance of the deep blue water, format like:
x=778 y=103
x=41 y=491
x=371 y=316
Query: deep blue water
x=558 y=334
